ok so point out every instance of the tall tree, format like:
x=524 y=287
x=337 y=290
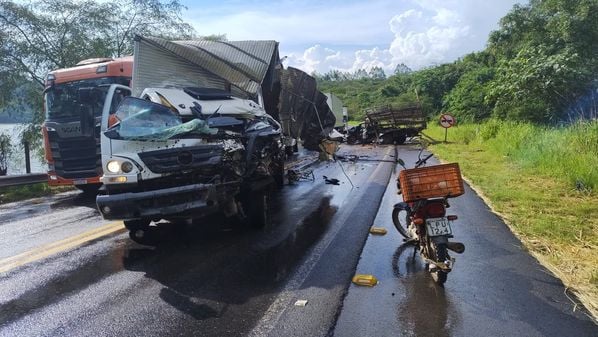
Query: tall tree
x=37 y=36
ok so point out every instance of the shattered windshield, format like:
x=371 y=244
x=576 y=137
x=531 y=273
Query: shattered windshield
x=144 y=120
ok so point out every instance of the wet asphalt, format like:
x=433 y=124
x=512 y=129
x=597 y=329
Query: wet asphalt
x=205 y=279
x=214 y=279
x=495 y=289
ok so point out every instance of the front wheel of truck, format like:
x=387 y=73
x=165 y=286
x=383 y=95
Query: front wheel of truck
x=137 y=224
x=138 y=230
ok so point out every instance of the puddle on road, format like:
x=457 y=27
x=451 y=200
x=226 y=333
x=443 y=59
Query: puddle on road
x=202 y=276
x=424 y=309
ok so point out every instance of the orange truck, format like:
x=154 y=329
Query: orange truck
x=71 y=128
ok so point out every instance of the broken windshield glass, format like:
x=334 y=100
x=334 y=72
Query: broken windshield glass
x=144 y=120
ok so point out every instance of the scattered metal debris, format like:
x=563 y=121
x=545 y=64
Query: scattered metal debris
x=300 y=175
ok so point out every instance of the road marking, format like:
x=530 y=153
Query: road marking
x=50 y=249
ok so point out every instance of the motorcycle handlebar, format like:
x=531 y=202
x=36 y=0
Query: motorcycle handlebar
x=421 y=162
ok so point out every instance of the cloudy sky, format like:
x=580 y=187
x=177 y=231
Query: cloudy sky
x=349 y=35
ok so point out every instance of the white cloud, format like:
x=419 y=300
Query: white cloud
x=353 y=35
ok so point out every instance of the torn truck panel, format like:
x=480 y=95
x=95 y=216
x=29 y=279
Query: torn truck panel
x=304 y=112
x=185 y=102
x=200 y=63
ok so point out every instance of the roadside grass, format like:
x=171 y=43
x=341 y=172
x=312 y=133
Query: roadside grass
x=544 y=183
x=18 y=193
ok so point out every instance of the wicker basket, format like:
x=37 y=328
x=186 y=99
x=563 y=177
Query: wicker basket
x=431 y=182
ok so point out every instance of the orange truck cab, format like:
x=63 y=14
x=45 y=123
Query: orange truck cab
x=71 y=129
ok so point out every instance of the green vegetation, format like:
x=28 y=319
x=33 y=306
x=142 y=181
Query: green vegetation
x=539 y=66
x=37 y=36
x=527 y=136
x=17 y=193
x=5 y=152
x=544 y=182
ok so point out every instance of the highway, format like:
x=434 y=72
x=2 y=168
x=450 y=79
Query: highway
x=64 y=271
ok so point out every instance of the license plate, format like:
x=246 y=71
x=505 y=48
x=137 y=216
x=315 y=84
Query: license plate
x=80 y=181
x=438 y=226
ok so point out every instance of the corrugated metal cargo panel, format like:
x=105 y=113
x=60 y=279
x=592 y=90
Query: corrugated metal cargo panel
x=154 y=67
x=243 y=64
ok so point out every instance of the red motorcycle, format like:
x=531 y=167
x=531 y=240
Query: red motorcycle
x=422 y=220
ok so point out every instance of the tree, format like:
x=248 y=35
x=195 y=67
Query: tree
x=402 y=69
x=41 y=35
x=5 y=152
x=377 y=73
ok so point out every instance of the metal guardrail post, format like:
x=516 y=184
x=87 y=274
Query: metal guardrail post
x=23 y=179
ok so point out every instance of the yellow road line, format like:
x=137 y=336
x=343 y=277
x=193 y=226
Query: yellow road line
x=44 y=251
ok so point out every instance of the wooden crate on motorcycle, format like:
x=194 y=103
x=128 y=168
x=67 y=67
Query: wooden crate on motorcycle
x=436 y=181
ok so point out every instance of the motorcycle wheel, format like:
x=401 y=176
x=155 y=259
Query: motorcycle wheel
x=401 y=227
x=440 y=276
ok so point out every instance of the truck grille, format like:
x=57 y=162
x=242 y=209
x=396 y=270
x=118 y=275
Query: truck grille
x=75 y=157
x=205 y=157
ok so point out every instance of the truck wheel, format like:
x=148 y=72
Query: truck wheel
x=401 y=138
x=387 y=138
x=133 y=225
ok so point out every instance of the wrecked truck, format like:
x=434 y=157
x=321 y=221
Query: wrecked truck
x=185 y=153
x=199 y=132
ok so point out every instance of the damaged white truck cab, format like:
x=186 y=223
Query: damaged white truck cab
x=182 y=153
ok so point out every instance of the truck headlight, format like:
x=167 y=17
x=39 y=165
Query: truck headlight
x=126 y=167
x=113 y=166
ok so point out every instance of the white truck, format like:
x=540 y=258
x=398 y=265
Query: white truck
x=185 y=153
x=199 y=132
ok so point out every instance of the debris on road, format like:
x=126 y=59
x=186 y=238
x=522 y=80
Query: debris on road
x=365 y=280
x=300 y=175
x=301 y=303
x=378 y=231
x=331 y=181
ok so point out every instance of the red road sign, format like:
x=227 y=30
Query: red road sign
x=446 y=121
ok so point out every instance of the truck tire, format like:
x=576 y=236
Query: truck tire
x=137 y=224
x=400 y=138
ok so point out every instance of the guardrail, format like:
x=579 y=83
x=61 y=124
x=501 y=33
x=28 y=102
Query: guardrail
x=23 y=179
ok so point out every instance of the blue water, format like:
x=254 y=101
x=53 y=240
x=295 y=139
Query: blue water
x=16 y=163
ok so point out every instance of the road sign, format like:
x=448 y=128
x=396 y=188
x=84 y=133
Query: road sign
x=446 y=121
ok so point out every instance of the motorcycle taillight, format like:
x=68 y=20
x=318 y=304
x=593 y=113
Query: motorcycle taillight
x=435 y=209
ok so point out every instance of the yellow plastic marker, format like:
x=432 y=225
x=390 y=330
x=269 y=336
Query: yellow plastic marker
x=365 y=280
x=378 y=231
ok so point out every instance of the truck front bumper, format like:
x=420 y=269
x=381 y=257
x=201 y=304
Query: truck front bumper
x=174 y=202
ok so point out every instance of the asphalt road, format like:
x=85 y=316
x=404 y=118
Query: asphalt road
x=69 y=273
x=66 y=272
x=495 y=289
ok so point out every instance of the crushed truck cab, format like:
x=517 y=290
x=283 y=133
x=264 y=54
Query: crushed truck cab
x=186 y=152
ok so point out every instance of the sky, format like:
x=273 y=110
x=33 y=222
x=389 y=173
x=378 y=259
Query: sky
x=350 y=35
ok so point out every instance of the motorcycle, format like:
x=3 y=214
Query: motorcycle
x=422 y=220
